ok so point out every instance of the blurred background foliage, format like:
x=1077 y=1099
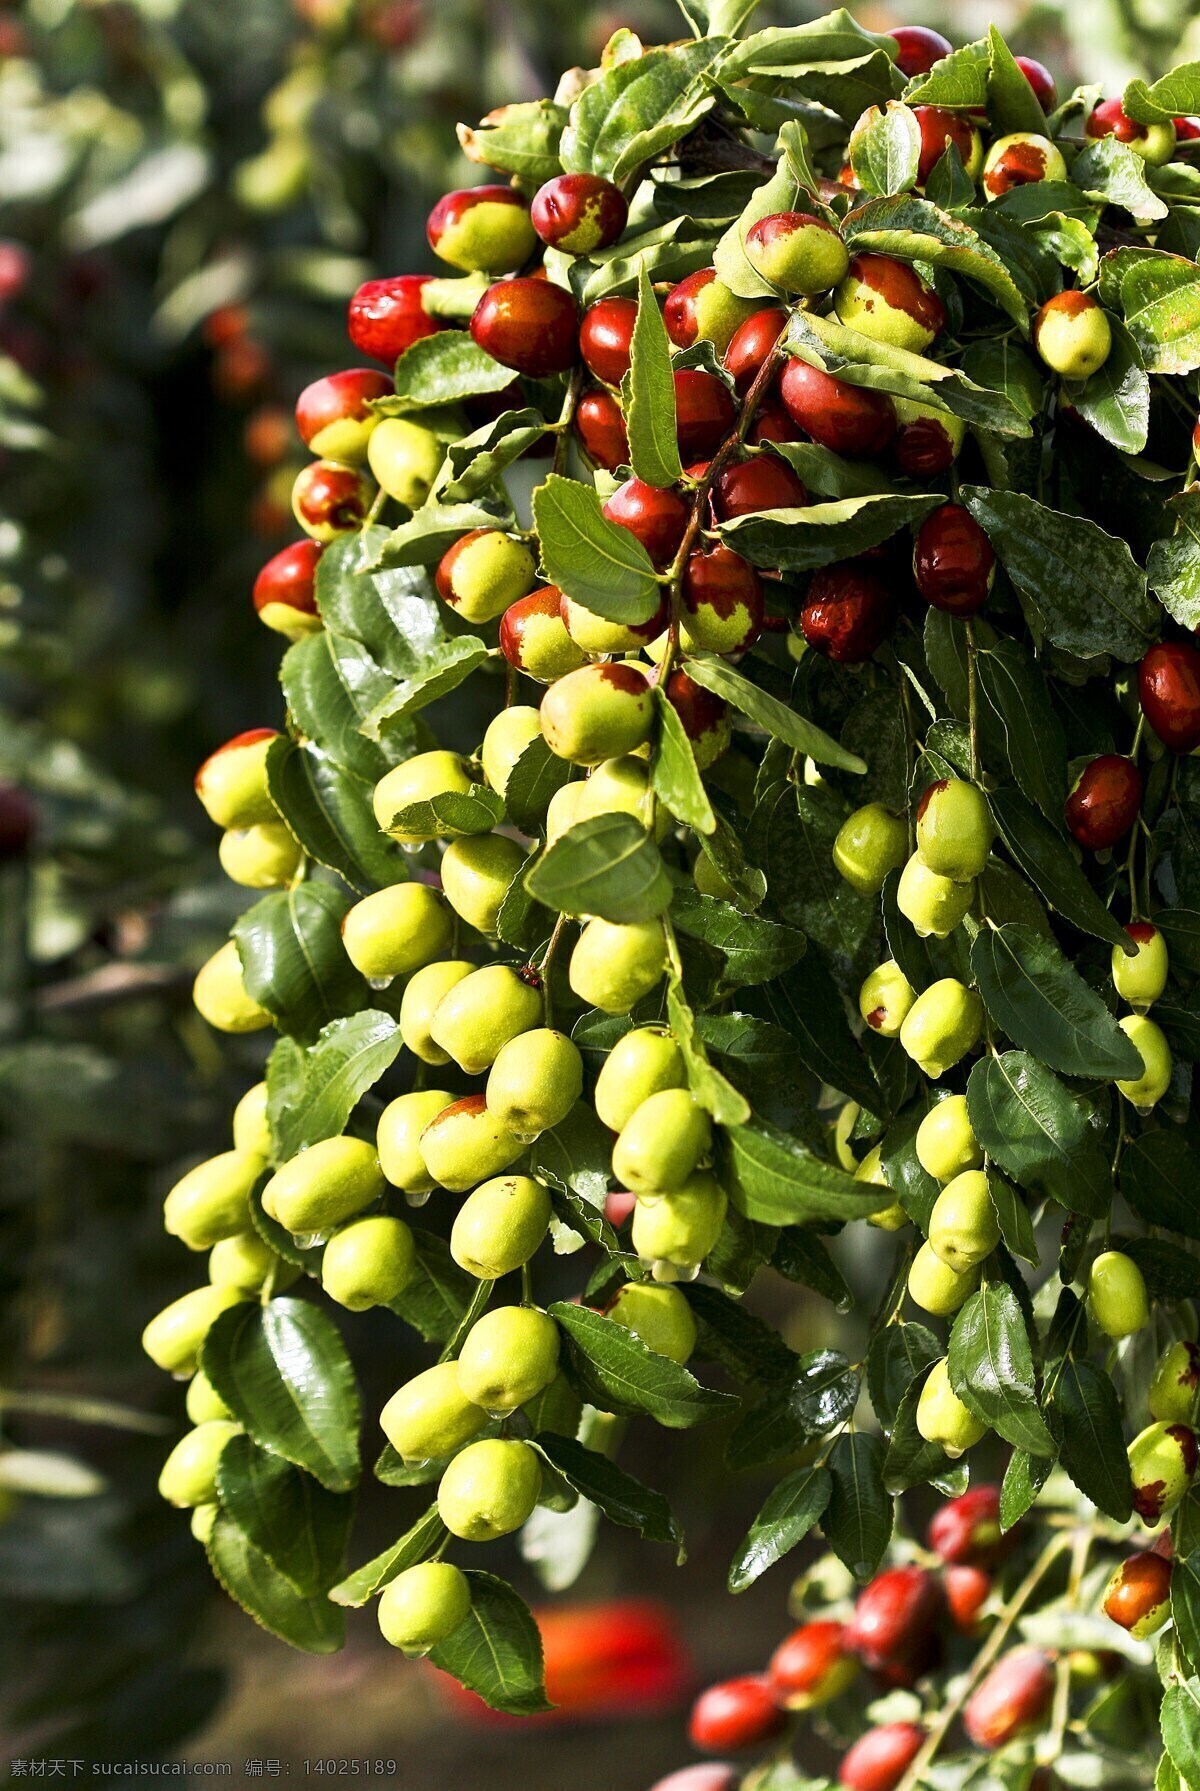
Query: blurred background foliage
x=189 y=191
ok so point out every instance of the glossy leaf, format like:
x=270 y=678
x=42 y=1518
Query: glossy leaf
x=1039 y=999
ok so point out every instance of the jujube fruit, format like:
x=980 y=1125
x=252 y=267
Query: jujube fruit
x=966 y=1531
x=489 y=1489
x=232 y=781
x=661 y=1143
x=935 y=1287
x=934 y=904
x=870 y=844
x=534 y=1081
x=212 y=1201
x=752 y=345
x=507 y=1357
x=1150 y=1042
x=954 y=563
x=595 y=634
x=1162 y=1464
x=942 y=1418
x=734 y=1716
x=534 y=638
x=722 y=601
x=674 y=1232
x=529 y=325
x=597 y=712
x=405 y=458
x=600 y=428
x=885 y=998
x=368 y=1262
x=483 y=573
x=189 y=1474
x=888 y=301
x=284 y=593
x=423 y=1605
x=504 y=740
x=1140 y=980
x=499 y=1226
x=579 y=213
x=1072 y=334
x=385 y=317
x=1155 y=143
x=880 y=1758
x=701 y=308
x=928 y=440
x=943 y=1024
x=850 y=420
x=1138 y=1595
x=1019 y=160
x=660 y=1316
x=477 y=872
x=918 y=47
x=762 y=482
x=1011 y=1699
x=398 y=1135
x=812 y=1666
x=324 y=1185
x=605 y=336
x=464 y=1144
x=954 y=829
x=963 y=1227
x=397 y=930
x=1172 y=1394
x=221 y=997
x=1169 y=692
x=422 y=994
x=613 y=964
x=264 y=856
x=939 y=127
x=421 y=779
x=848 y=612
x=894 y=1623
x=429 y=1417
x=704 y=413
x=640 y=1064
x=796 y=252
x=1104 y=801
x=175 y=1336
x=1040 y=79
x=481 y=230
x=244 y=1261
x=656 y=517
x=329 y=500
x=334 y=415
x=703 y=714
x=945 y=1143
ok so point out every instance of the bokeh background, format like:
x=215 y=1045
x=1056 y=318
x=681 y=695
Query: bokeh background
x=188 y=194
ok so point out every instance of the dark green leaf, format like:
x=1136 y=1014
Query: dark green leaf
x=673 y=772
x=1015 y=688
x=608 y=866
x=768 y=713
x=1036 y=1130
x=819 y=1395
x=742 y=1342
x=293 y=960
x=594 y=561
x=621 y=1498
x=414 y=1546
x=289 y=1517
x=1023 y=1480
x=819 y=534
x=615 y=1370
x=329 y=1078
x=496 y=1651
x=991 y=1368
x=533 y=780
x=899 y=1354
x=653 y=448
x=773 y=1178
x=858 y=1520
x=328 y=810
x=283 y=1371
x=1180 y=1721
x=1159 y=1178
x=755 y=949
x=788 y=1514
x=439 y=1292
x=1087 y=1415
x=307 y=1621
x=1039 y=999
x=1046 y=860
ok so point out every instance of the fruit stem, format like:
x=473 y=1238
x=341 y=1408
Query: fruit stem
x=566 y=416
x=992 y=1648
x=552 y=945
x=377 y=503
x=476 y=1309
x=973 y=700
x=1052 y=1747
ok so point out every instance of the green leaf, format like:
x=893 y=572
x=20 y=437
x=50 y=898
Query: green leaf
x=615 y=1370
x=475 y=463
x=1016 y=1226
x=307 y=1621
x=1035 y=749
x=449 y=813
x=1086 y=1413
x=800 y=1256
x=1159 y=1177
x=1180 y=1722
x=960 y=79
x=607 y=865
x=330 y=1077
x=1159 y=296
x=746 y=1345
x=805 y=1001
x=594 y=561
x=858 y=1520
x=1114 y=172
x=282 y=1369
x=788 y=1514
x=717 y=18
x=1116 y=399
x=1035 y=994
x=395 y=616
x=1029 y=1124
x=912 y=229
x=1173 y=563
x=533 y=780
x=519 y=139
x=1171 y=1271
x=444 y=670
x=639 y=108
x=1044 y=856
x=755 y=949
x=714 y=1093
x=827 y=473
x=574 y=1158
x=621 y=1498
x=445 y=368
x=674 y=775
x=771 y=1177
x=817 y=535
x=885 y=149
x=1089 y=592
x=331 y=684
x=496 y=1651
x=1023 y=1480
x=769 y=713
x=1012 y=103
x=912 y=1186
x=899 y=1355
x=429 y=531
x=293 y=960
x=653 y=448
x=414 y=1546
x=1185 y=1606
x=328 y=810
x=1175 y=94
x=300 y=1526
x=439 y=1292
x=816 y=1398
x=991 y=1368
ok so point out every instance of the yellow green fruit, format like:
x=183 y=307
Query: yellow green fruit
x=507 y=1357
x=505 y=739
x=423 y=1605
x=429 y=1417
x=480 y=1014
x=398 y=1138
x=220 y=994
x=247 y=1262
x=1116 y=1292
x=954 y=829
x=963 y=1227
x=1146 y=1090
x=660 y=1316
x=465 y=1144
x=203 y=1402
x=422 y=995
x=500 y=1226
x=673 y=1233
x=1175 y=1387
x=420 y=779
x=534 y=1082
x=937 y=1288
x=1140 y=980
x=189 y=1474
x=476 y=875
x=661 y=1143
x=405 y=458
x=260 y=857
x=489 y=1489
x=933 y=904
x=326 y=1184
x=946 y=1145
x=885 y=999
x=251 y=1129
x=368 y=1262
x=598 y=712
x=943 y=1024
x=870 y=843
x=174 y=1337
x=942 y=1417
x=640 y=1064
x=397 y=930
x=613 y=966
x=212 y=1201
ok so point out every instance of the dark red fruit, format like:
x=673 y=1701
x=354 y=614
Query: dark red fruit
x=658 y=518
x=848 y=612
x=762 y=483
x=967 y=1590
x=704 y=414
x=1041 y=80
x=1187 y=130
x=601 y=430
x=386 y=316
x=773 y=424
x=679 y=311
x=751 y=345
x=289 y=578
x=850 y=420
x=1169 y=689
x=336 y=399
x=1104 y=803
x=579 y=213
x=705 y=717
x=953 y=561
x=924 y=448
x=940 y=127
x=918 y=47
x=894 y=1626
x=708 y=1775
x=605 y=336
x=966 y=1531
x=881 y=1757
x=529 y=325
x=1110 y=119
x=811 y=1666
x=1011 y=1699
x=735 y=1716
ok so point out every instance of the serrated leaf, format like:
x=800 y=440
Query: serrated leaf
x=897 y=1357
x=1023 y=1480
x=818 y=1394
x=885 y=149
x=600 y=565
x=912 y=229
x=289 y=1517
x=1015 y=689
x=991 y=1369
x=1159 y=1177
x=714 y=1093
x=653 y=448
x=282 y=1369
x=1180 y=1722
x=755 y=949
x=1035 y=995
x=328 y=1080
x=533 y=780
x=474 y=463
x=638 y=108
x=1159 y=295
x=1086 y=1413
x=771 y=1177
x=443 y=672
x=857 y=1523
x=445 y=368
x=1112 y=171
x=307 y=1621
x=769 y=713
x=615 y=1370
x=789 y=1512
x=438 y=1293
x=1044 y=856
x=293 y=961
x=801 y=540
x=1173 y=563
x=496 y=1651
x=414 y=1546
x=450 y=813
x=674 y=775
x=607 y=865
x=328 y=810
x=1116 y=399
x=1028 y=1122
x=622 y=1499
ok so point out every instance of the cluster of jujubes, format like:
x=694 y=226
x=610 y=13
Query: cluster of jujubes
x=762 y=680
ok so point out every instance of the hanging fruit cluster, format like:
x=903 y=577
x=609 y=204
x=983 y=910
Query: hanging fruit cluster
x=784 y=511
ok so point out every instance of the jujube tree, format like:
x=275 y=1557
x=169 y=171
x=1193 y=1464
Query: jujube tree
x=791 y=487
